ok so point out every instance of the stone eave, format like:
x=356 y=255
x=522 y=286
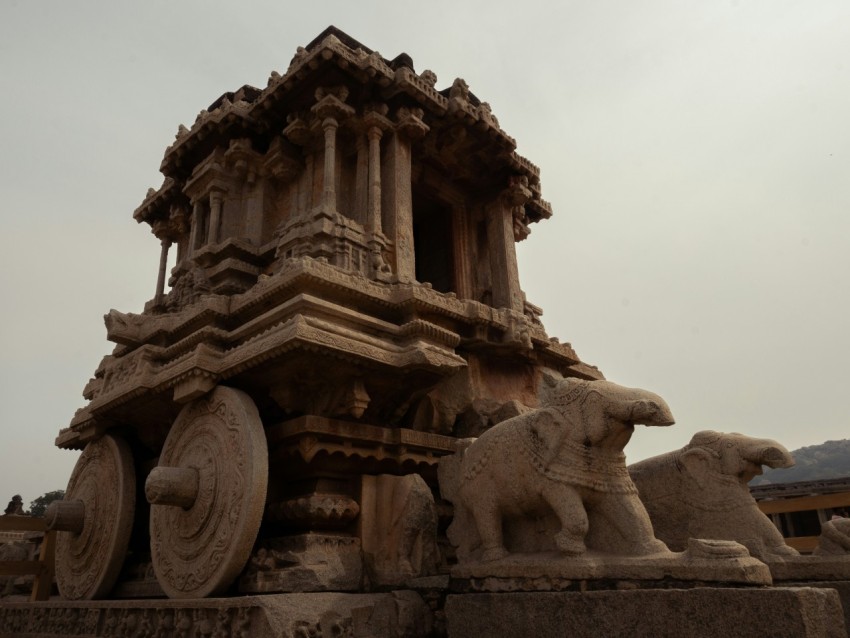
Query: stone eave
x=158 y=203
x=210 y=130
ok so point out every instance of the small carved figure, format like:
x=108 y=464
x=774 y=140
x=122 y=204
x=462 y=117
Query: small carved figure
x=565 y=457
x=429 y=77
x=459 y=90
x=15 y=507
x=485 y=114
x=701 y=491
x=164 y=623
x=184 y=623
x=273 y=77
x=188 y=289
x=243 y=623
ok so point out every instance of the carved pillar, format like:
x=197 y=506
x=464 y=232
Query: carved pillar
x=329 y=111
x=361 y=179
x=398 y=195
x=194 y=233
x=374 y=223
x=305 y=186
x=163 y=263
x=398 y=191
x=462 y=251
x=500 y=235
x=215 y=217
x=329 y=126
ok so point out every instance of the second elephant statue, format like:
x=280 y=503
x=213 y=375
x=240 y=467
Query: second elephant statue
x=700 y=491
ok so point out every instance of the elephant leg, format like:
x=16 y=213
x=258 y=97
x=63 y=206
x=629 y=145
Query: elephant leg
x=488 y=521
x=566 y=502
x=629 y=527
x=773 y=540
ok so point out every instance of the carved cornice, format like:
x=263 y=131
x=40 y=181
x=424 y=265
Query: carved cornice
x=227 y=115
x=162 y=204
x=311 y=435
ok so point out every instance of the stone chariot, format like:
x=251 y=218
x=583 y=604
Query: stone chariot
x=344 y=304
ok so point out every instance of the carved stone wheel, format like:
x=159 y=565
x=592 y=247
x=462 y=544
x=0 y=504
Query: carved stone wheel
x=207 y=495
x=104 y=481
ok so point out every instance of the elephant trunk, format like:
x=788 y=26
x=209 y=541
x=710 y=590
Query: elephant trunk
x=769 y=453
x=651 y=409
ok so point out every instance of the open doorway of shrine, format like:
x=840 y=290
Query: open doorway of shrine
x=433 y=243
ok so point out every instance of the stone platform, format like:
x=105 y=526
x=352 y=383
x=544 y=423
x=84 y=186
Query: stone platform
x=695 y=613
x=399 y=613
x=832 y=572
x=705 y=563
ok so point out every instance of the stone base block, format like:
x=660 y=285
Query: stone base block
x=400 y=613
x=695 y=613
x=841 y=586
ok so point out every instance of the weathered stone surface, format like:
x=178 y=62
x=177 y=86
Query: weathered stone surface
x=695 y=613
x=398 y=528
x=565 y=458
x=840 y=586
x=400 y=613
x=199 y=550
x=104 y=481
x=304 y=563
x=701 y=491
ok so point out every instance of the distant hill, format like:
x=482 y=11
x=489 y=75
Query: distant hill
x=814 y=462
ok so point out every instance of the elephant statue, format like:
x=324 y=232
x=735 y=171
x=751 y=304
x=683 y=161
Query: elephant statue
x=563 y=460
x=701 y=491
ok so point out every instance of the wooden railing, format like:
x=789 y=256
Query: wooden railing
x=42 y=567
x=805 y=544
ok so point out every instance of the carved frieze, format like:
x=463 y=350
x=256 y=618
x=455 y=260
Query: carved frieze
x=315 y=511
x=309 y=435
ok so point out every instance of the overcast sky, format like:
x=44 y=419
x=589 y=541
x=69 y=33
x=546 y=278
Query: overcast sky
x=696 y=154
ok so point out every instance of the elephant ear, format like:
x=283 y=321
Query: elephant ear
x=698 y=462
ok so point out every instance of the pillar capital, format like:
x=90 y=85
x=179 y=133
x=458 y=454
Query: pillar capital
x=375 y=121
x=517 y=192
x=409 y=122
x=331 y=106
